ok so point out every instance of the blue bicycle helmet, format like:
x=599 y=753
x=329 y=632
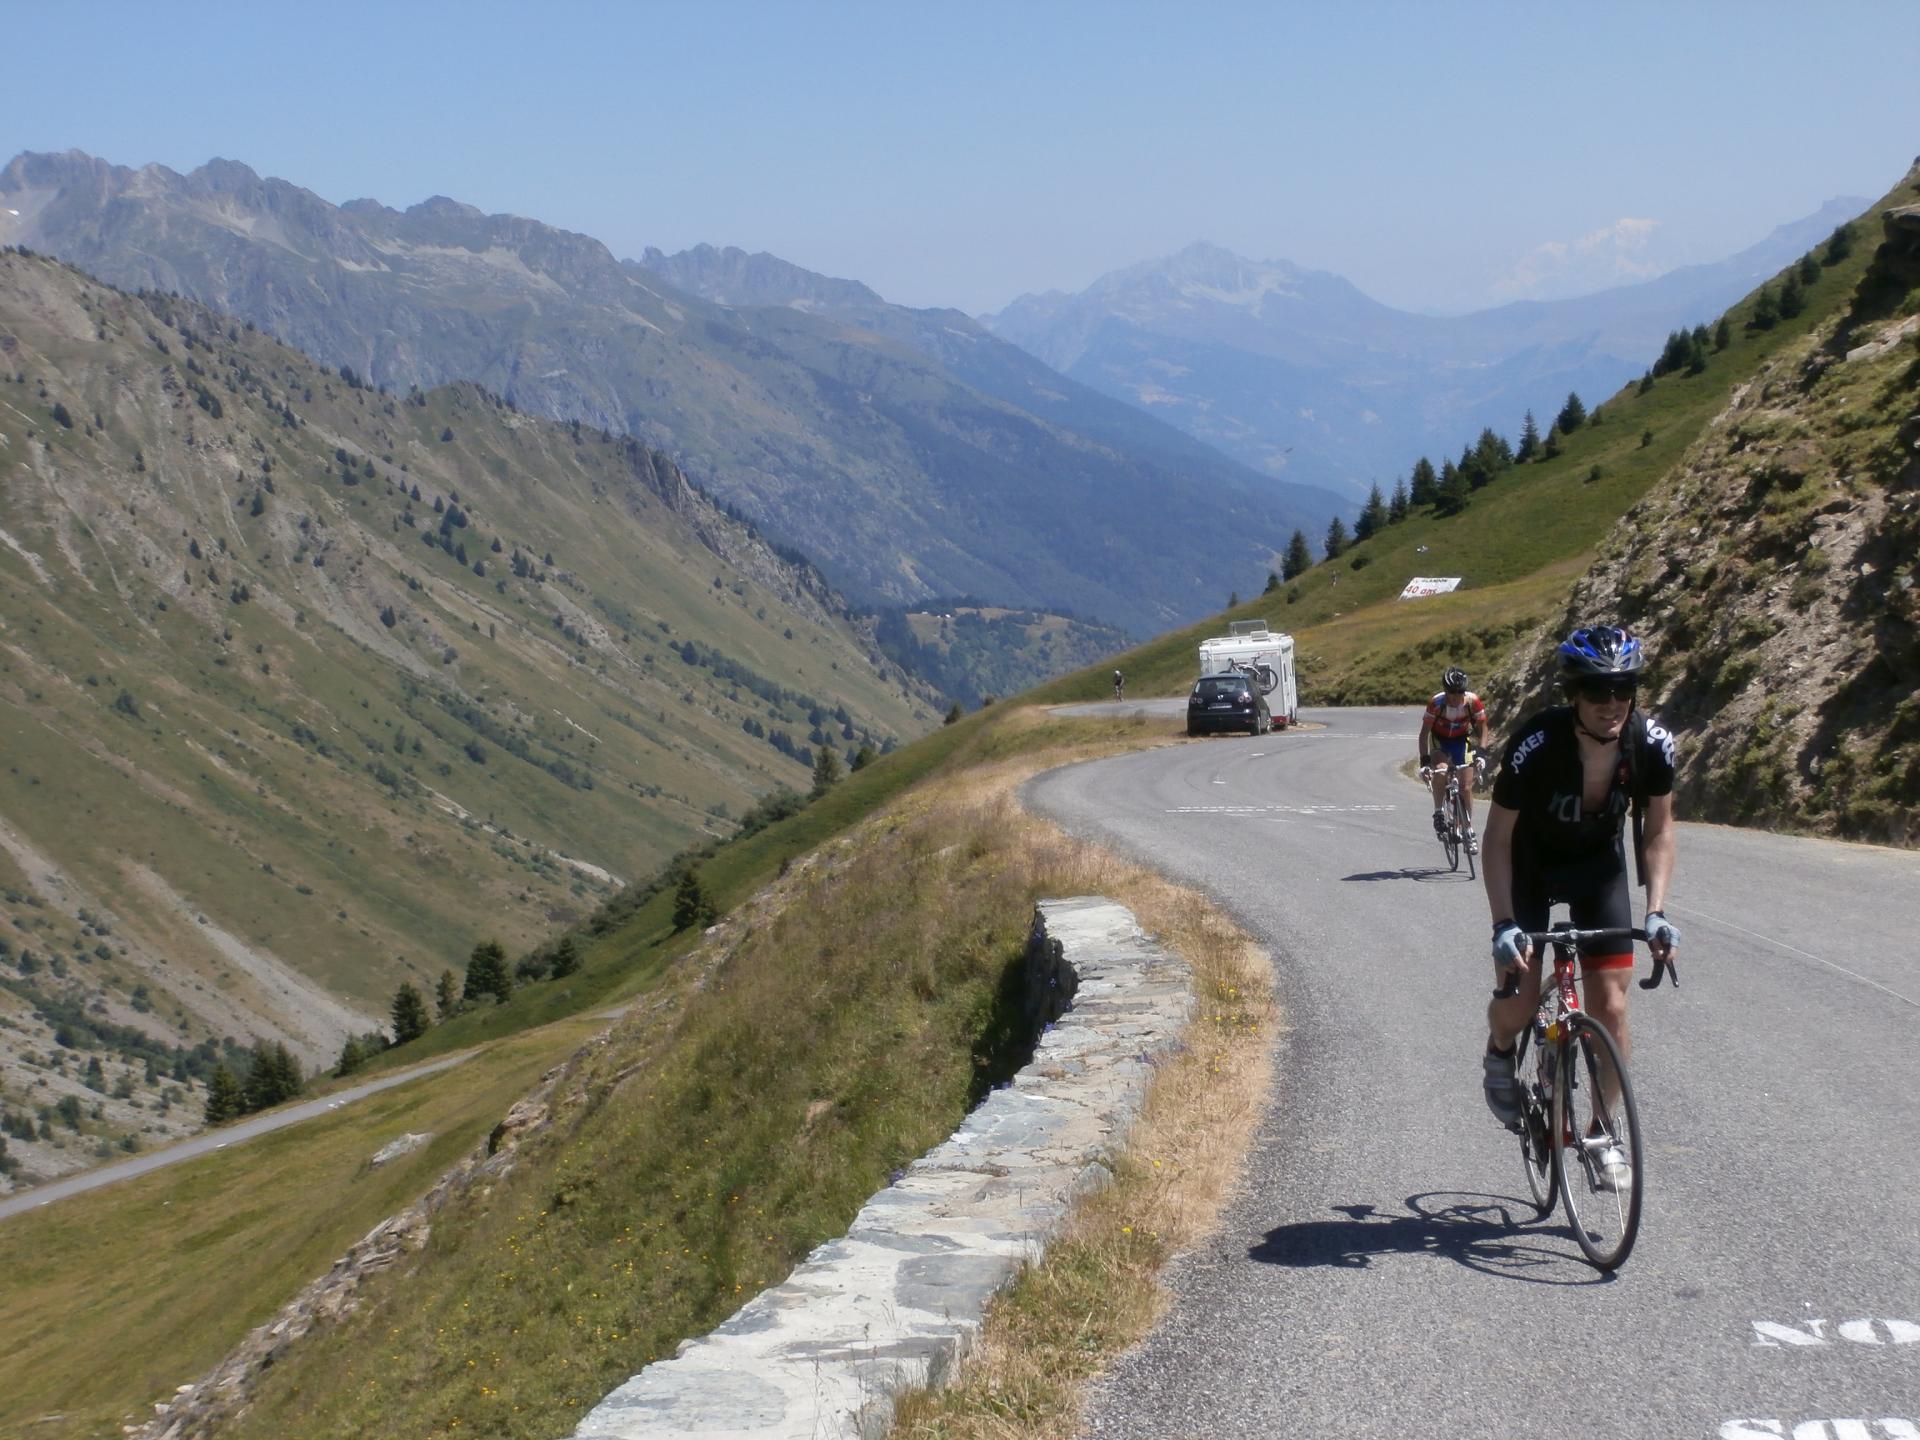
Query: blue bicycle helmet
x=1600 y=652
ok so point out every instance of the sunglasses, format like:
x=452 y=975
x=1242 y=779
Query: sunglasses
x=1598 y=690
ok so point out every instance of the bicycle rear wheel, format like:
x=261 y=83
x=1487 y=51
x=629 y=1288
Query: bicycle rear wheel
x=1536 y=1153
x=1604 y=1209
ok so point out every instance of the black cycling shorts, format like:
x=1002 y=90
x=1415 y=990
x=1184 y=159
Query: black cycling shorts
x=1597 y=897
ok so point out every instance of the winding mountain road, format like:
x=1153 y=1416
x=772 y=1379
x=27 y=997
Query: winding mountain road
x=1376 y=1274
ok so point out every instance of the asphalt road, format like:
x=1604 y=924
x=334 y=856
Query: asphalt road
x=210 y=1140
x=1376 y=1275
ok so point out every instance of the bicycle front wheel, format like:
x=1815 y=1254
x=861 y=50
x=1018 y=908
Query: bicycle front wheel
x=1597 y=1144
x=1450 y=838
x=1536 y=1153
x=1462 y=827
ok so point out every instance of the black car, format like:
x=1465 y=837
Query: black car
x=1227 y=702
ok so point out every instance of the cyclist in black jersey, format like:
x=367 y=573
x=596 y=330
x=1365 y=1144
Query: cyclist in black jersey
x=1567 y=780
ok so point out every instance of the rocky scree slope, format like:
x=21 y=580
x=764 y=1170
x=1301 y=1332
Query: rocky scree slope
x=911 y=453
x=305 y=689
x=1775 y=575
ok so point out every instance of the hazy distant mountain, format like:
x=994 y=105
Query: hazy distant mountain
x=910 y=452
x=1298 y=373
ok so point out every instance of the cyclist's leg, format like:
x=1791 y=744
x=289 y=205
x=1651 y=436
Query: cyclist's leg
x=1506 y=1017
x=1604 y=974
x=1446 y=757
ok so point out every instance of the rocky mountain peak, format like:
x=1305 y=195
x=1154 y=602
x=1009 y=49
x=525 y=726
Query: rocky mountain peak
x=732 y=276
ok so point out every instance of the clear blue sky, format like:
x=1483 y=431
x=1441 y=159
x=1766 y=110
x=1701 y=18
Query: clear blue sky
x=961 y=154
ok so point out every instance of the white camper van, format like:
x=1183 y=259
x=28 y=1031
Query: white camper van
x=1264 y=657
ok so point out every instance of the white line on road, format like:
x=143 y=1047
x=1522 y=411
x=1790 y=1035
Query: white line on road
x=1276 y=809
x=1796 y=950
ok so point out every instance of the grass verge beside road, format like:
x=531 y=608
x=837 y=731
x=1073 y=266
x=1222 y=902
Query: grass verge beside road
x=833 y=1029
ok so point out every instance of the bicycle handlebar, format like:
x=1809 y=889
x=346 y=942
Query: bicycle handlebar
x=1567 y=935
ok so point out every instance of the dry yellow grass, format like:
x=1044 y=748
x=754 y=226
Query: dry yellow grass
x=1097 y=1289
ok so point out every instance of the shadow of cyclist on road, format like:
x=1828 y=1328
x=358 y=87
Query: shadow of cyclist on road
x=1480 y=1231
x=1409 y=872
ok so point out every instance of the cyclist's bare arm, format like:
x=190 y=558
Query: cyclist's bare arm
x=1496 y=860
x=1422 y=749
x=1661 y=845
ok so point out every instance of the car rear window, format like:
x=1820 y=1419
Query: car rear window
x=1220 y=689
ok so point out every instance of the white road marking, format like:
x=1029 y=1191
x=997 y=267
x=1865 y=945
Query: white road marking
x=1796 y=950
x=1770 y=1335
x=1276 y=809
x=1887 y=1427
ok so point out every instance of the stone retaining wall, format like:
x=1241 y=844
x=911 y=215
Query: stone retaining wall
x=896 y=1303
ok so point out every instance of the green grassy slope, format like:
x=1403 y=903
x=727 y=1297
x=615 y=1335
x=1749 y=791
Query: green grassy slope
x=269 y=753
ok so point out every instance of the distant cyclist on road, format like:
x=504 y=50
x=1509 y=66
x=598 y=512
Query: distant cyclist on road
x=1452 y=715
x=1119 y=686
x=1568 y=778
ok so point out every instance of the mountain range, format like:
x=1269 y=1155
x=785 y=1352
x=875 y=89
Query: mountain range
x=911 y=453
x=1297 y=373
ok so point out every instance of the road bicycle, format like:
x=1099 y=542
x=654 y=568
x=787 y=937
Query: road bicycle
x=1566 y=1125
x=1457 y=837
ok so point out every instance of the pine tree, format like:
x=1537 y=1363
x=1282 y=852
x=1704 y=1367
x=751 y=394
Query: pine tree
x=1792 y=297
x=1646 y=382
x=1723 y=334
x=566 y=957
x=1298 y=559
x=1572 y=415
x=1673 y=355
x=224 y=1098
x=1336 y=538
x=410 y=1018
x=353 y=1055
x=1492 y=457
x=1454 y=491
x=826 y=771
x=1373 y=515
x=1273 y=582
x=274 y=1076
x=1397 y=506
x=1425 y=486
x=446 y=993
x=1809 y=269
x=691 y=907
x=954 y=713
x=487 y=972
x=1529 y=440
x=1550 y=447
x=1766 y=309
x=1839 y=244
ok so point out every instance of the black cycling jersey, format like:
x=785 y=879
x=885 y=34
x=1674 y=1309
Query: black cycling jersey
x=1541 y=778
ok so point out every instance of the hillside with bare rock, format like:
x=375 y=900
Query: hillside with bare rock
x=1775 y=574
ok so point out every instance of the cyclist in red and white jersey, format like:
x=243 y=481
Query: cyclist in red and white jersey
x=1452 y=716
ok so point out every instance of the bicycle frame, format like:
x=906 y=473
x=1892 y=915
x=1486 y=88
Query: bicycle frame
x=1569 y=1054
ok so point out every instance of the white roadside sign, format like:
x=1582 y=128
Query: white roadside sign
x=1424 y=585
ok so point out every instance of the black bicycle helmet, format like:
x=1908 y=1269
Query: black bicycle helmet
x=1600 y=652
x=1455 y=680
